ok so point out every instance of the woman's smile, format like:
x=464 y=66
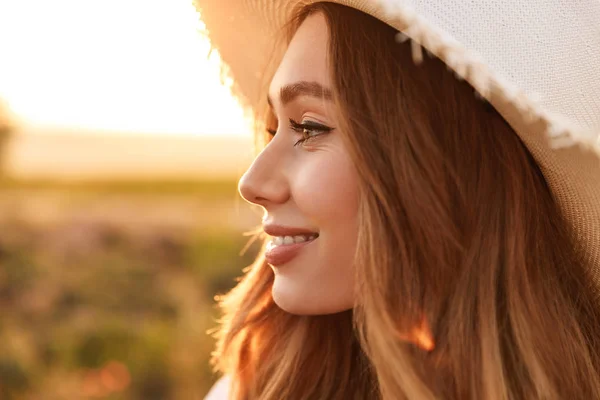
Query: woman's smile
x=286 y=243
x=282 y=249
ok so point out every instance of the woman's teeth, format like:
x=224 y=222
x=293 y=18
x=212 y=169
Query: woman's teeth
x=282 y=240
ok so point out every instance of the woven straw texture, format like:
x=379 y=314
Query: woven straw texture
x=536 y=61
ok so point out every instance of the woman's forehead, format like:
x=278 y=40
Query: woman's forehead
x=305 y=59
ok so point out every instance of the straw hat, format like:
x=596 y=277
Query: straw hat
x=537 y=62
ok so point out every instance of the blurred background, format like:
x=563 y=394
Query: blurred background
x=120 y=151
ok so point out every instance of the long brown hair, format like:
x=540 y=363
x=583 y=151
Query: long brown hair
x=457 y=227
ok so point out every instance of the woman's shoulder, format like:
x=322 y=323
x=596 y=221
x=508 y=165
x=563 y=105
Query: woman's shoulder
x=220 y=390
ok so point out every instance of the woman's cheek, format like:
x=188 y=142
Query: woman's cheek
x=327 y=187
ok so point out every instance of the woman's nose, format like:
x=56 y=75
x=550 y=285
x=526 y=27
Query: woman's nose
x=264 y=183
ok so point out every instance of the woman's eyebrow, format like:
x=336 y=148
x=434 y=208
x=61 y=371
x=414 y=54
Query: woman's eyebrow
x=303 y=88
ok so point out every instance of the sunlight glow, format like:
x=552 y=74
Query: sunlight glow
x=123 y=65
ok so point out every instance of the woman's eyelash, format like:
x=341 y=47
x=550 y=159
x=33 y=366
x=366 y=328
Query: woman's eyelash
x=308 y=129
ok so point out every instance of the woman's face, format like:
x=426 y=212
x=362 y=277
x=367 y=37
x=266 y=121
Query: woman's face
x=308 y=189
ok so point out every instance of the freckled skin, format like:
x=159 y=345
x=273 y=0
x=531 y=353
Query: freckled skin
x=312 y=185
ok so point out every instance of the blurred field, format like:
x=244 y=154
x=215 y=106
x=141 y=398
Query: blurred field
x=83 y=155
x=106 y=288
x=120 y=150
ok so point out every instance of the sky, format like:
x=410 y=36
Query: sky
x=136 y=66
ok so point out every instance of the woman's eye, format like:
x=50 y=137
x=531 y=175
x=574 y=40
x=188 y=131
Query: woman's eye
x=309 y=130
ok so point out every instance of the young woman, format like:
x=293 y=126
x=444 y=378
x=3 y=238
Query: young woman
x=424 y=238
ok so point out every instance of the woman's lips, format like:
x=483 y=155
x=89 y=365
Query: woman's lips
x=281 y=254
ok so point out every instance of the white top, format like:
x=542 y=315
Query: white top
x=220 y=390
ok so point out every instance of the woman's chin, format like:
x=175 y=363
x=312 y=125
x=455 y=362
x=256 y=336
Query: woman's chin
x=291 y=302
x=298 y=301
